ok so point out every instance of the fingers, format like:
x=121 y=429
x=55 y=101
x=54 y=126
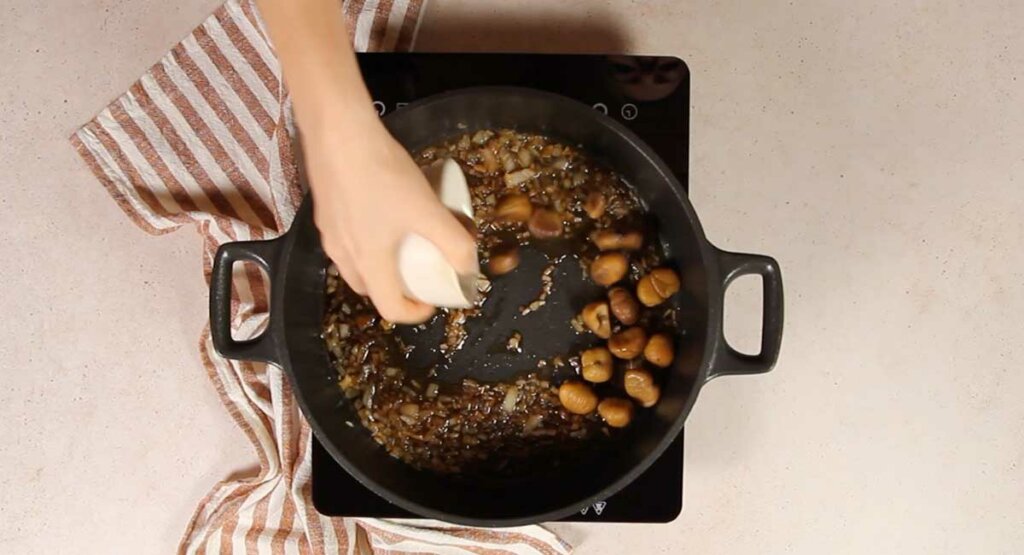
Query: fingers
x=398 y=308
x=347 y=268
x=338 y=251
x=387 y=297
x=388 y=293
x=456 y=243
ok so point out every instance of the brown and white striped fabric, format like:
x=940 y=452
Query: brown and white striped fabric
x=204 y=138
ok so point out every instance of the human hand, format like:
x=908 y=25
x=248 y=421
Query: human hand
x=368 y=195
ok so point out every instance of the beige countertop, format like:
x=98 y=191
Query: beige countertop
x=874 y=148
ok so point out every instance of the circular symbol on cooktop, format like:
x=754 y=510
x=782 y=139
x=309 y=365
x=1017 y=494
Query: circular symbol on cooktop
x=601 y=107
x=380 y=107
x=629 y=111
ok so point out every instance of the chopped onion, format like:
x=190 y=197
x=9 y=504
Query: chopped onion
x=507 y=161
x=490 y=161
x=481 y=137
x=525 y=159
x=511 y=396
x=516 y=178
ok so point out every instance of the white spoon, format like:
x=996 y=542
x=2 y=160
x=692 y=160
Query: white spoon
x=426 y=273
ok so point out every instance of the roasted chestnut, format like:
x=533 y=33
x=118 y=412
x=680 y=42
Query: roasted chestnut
x=658 y=285
x=513 y=208
x=616 y=412
x=609 y=268
x=596 y=318
x=611 y=240
x=503 y=261
x=595 y=204
x=577 y=397
x=596 y=365
x=623 y=305
x=659 y=350
x=639 y=384
x=629 y=343
x=545 y=224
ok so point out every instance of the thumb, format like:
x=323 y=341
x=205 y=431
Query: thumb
x=456 y=243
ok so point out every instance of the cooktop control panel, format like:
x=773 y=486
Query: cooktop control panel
x=649 y=94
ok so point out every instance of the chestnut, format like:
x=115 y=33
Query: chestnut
x=577 y=397
x=596 y=365
x=513 y=208
x=595 y=204
x=596 y=318
x=545 y=224
x=629 y=343
x=623 y=305
x=609 y=268
x=503 y=261
x=611 y=240
x=639 y=384
x=659 y=350
x=658 y=285
x=616 y=412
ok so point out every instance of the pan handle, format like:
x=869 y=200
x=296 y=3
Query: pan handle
x=263 y=347
x=727 y=360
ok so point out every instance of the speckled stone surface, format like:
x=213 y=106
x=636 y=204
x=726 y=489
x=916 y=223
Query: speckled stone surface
x=110 y=431
x=873 y=148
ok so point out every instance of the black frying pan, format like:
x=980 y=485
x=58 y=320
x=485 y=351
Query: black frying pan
x=296 y=265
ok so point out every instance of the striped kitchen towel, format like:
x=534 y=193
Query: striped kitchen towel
x=204 y=138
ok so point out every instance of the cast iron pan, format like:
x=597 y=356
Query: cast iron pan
x=296 y=265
